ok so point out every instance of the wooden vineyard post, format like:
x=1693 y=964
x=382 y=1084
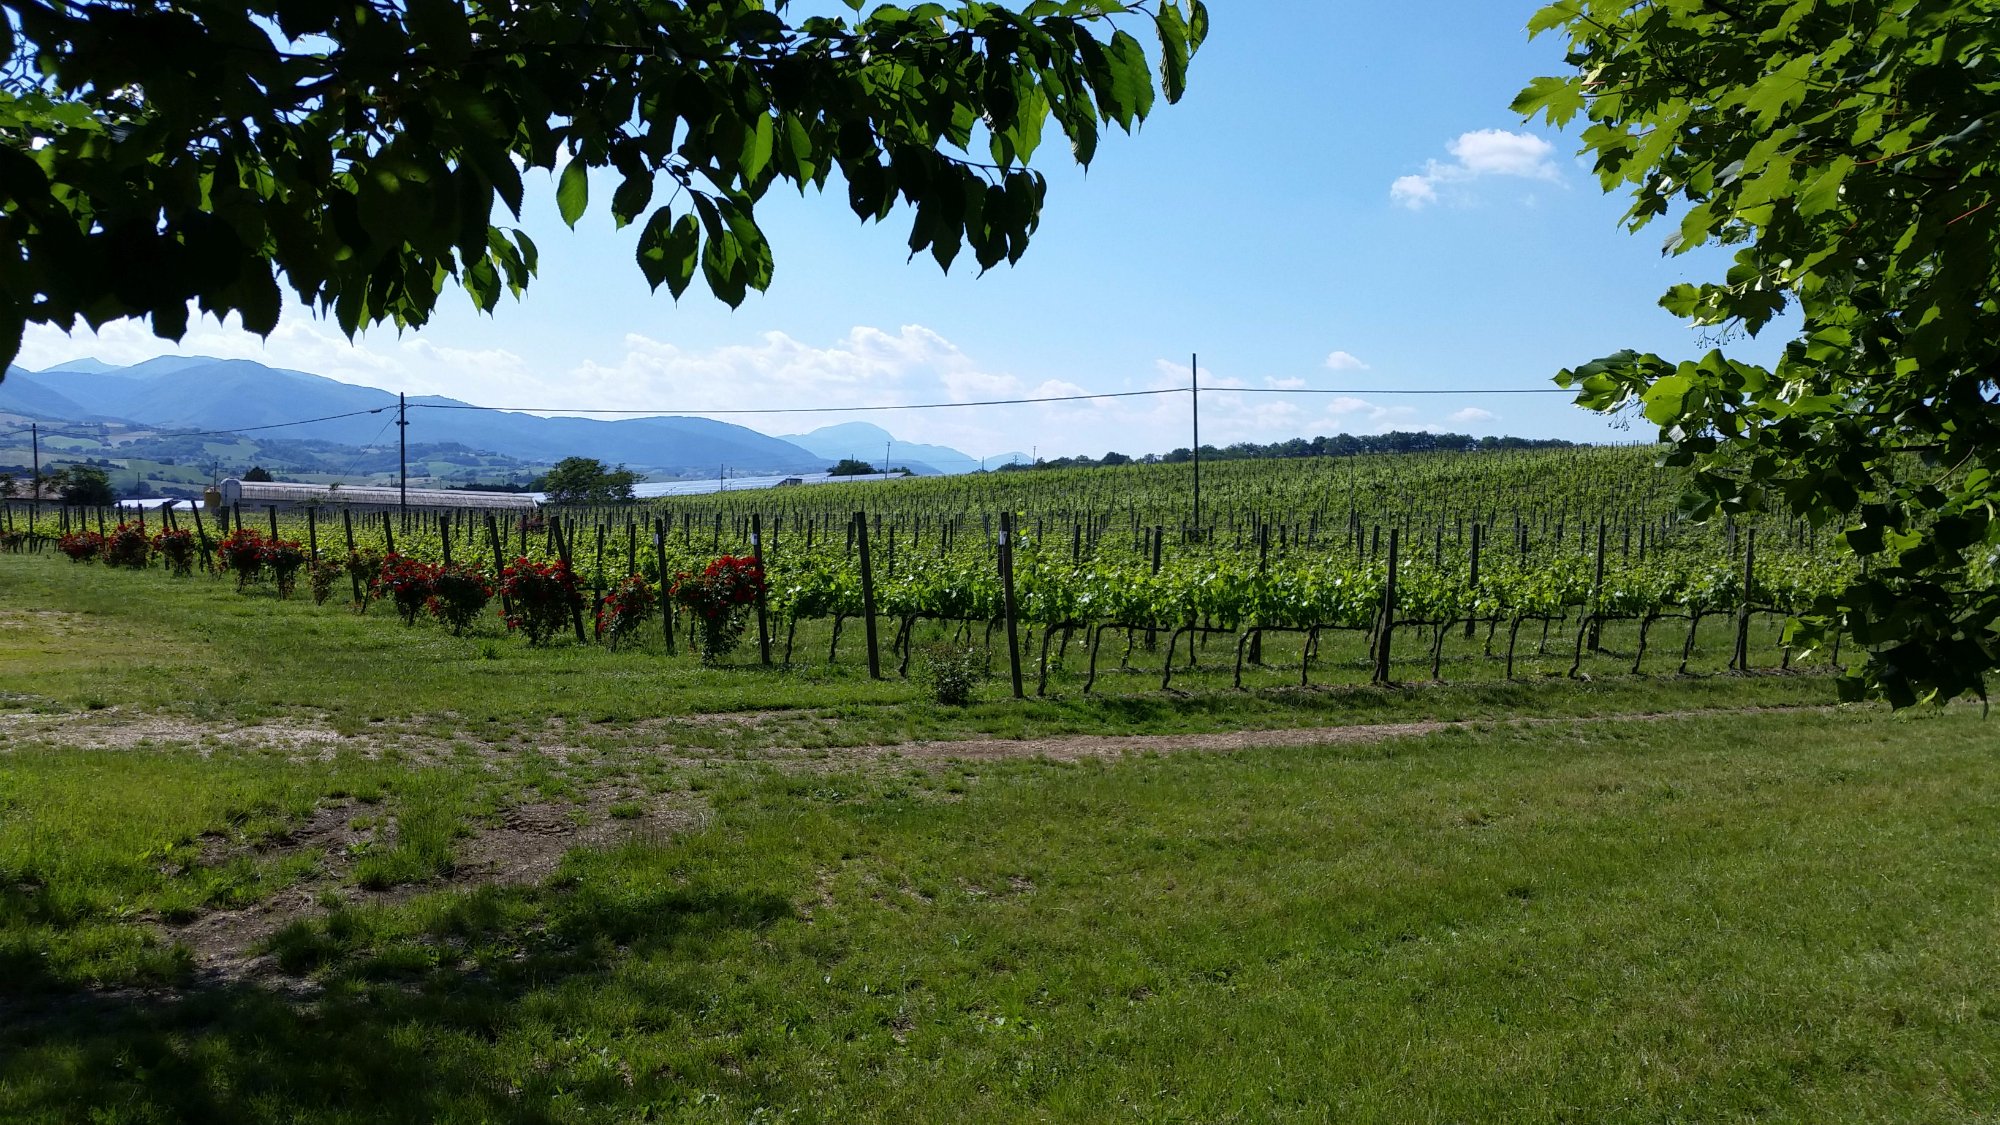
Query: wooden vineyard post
x=207 y=554
x=272 y=510
x=666 y=585
x=1471 y=616
x=1007 y=600
x=597 y=588
x=576 y=599
x=499 y=565
x=867 y=594
x=312 y=535
x=1740 y=660
x=763 y=611
x=1263 y=563
x=1388 y=626
x=388 y=532
x=444 y=536
x=353 y=578
x=1597 y=595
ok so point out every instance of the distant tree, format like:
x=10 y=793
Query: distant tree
x=258 y=473
x=849 y=467
x=1114 y=459
x=586 y=480
x=83 y=485
x=7 y=486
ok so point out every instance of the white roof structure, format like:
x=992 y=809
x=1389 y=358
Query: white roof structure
x=287 y=495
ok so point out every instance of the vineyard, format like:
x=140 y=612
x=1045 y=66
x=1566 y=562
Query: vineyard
x=1436 y=566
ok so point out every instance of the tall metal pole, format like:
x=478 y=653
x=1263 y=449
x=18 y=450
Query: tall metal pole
x=1194 y=395
x=35 y=484
x=403 y=454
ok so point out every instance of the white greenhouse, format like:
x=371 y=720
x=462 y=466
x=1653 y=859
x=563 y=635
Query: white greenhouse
x=289 y=497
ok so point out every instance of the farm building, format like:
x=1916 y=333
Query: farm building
x=288 y=497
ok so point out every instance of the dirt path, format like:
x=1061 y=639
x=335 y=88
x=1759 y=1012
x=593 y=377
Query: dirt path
x=1074 y=748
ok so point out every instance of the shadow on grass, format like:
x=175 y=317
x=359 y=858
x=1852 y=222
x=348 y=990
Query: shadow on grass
x=391 y=1036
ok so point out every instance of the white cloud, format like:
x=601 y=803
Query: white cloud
x=1496 y=152
x=1413 y=192
x=1474 y=155
x=1471 y=415
x=1345 y=361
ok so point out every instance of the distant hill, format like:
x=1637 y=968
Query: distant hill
x=193 y=393
x=865 y=442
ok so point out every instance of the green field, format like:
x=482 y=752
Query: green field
x=264 y=860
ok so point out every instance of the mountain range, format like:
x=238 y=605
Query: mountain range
x=176 y=393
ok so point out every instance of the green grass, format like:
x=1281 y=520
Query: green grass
x=1782 y=918
x=1773 y=916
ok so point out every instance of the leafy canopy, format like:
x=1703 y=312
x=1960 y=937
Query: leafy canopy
x=1847 y=149
x=84 y=486
x=586 y=480
x=157 y=155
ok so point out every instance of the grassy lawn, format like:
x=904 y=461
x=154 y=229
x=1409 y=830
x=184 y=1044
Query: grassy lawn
x=1744 y=915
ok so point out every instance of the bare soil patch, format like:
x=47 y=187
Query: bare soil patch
x=525 y=848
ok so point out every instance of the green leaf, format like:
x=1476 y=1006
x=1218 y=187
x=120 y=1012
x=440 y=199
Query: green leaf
x=1557 y=99
x=758 y=141
x=669 y=249
x=631 y=197
x=1667 y=399
x=573 y=191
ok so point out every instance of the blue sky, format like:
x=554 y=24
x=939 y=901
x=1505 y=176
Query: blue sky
x=1342 y=180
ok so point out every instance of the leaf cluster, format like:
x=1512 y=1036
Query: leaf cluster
x=158 y=157
x=1847 y=150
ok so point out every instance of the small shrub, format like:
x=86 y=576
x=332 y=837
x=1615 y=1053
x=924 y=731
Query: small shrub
x=285 y=557
x=242 y=553
x=176 y=547
x=628 y=606
x=364 y=566
x=949 y=672
x=81 y=546
x=458 y=597
x=321 y=577
x=540 y=597
x=718 y=596
x=128 y=546
x=407 y=582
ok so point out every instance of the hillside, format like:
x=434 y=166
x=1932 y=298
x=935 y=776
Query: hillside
x=184 y=393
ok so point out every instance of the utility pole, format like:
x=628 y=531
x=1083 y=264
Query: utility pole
x=1194 y=395
x=886 y=447
x=403 y=455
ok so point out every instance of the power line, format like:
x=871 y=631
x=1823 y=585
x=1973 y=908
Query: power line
x=1387 y=391
x=802 y=409
x=996 y=402
x=273 y=425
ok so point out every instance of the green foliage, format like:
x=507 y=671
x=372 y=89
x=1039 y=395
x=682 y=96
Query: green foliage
x=849 y=467
x=257 y=473
x=948 y=672
x=1847 y=151
x=586 y=480
x=84 y=486
x=355 y=151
